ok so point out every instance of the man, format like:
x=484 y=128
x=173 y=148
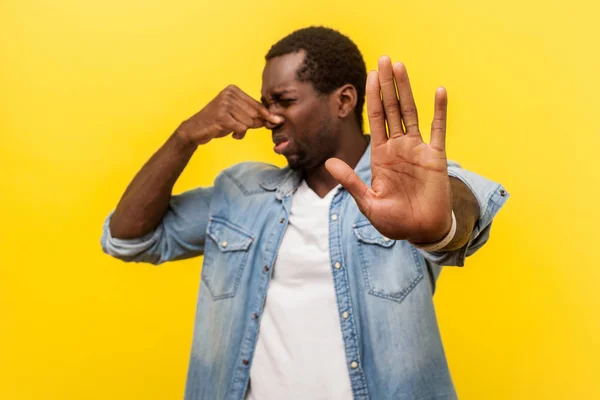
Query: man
x=314 y=285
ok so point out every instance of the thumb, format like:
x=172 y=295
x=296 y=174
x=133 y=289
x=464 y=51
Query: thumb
x=349 y=180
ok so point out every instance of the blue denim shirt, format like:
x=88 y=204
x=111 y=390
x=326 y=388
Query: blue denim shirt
x=391 y=337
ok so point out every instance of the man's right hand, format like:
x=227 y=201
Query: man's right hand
x=146 y=200
x=231 y=111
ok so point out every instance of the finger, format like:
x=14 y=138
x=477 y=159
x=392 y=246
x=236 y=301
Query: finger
x=256 y=111
x=375 y=110
x=237 y=127
x=250 y=119
x=438 y=126
x=408 y=109
x=390 y=98
x=350 y=181
x=261 y=109
x=238 y=135
x=247 y=114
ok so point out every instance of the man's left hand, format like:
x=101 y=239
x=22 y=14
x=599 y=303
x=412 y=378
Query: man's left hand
x=410 y=197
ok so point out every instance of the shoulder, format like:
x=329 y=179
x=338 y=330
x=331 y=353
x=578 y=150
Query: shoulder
x=249 y=177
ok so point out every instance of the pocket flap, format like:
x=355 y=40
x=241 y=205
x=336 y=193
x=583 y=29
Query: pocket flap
x=228 y=236
x=365 y=232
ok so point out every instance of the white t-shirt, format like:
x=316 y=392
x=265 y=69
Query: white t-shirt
x=300 y=350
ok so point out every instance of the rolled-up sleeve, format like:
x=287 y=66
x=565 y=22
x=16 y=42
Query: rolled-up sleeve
x=181 y=233
x=491 y=196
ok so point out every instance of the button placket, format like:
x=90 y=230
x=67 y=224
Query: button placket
x=251 y=334
x=344 y=300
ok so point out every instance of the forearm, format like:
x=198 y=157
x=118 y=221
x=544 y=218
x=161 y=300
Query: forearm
x=146 y=199
x=466 y=210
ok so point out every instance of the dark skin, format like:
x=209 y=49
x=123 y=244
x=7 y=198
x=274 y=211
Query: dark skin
x=411 y=196
x=317 y=126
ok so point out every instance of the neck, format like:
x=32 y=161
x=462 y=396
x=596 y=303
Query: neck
x=350 y=150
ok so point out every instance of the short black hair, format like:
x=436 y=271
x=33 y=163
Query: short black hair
x=331 y=60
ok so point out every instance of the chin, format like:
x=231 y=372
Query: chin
x=295 y=166
x=295 y=162
x=300 y=162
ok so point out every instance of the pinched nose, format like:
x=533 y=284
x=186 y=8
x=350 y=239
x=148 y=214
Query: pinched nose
x=272 y=126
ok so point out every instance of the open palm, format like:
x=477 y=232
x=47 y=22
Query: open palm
x=410 y=197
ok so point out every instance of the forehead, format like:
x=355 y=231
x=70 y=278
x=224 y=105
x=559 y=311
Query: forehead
x=279 y=74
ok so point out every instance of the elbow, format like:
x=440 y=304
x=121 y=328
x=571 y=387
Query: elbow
x=127 y=230
x=140 y=248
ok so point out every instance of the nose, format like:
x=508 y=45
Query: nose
x=271 y=126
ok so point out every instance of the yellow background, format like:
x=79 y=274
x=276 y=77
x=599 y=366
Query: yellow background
x=89 y=90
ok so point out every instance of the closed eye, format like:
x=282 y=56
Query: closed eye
x=285 y=102
x=282 y=102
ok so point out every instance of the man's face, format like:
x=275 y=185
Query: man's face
x=307 y=136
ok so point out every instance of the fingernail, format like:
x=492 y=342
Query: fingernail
x=278 y=119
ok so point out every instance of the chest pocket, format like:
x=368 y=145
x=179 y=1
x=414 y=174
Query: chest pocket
x=225 y=256
x=391 y=268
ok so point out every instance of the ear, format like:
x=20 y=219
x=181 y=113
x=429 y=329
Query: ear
x=345 y=100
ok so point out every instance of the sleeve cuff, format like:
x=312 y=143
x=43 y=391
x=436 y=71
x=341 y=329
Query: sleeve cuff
x=126 y=249
x=491 y=196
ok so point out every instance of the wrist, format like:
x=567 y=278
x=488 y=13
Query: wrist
x=440 y=243
x=432 y=233
x=183 y=142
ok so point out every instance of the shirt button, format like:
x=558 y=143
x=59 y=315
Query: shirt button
x=334 y=217
x=266 y=268
x=245 y=362
x=386 y=239
x=353 y=365
x=255 y=315
x=503 y=193
x=224 y=243
x=345 y=314
x=282 y=220
x=337 y=265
